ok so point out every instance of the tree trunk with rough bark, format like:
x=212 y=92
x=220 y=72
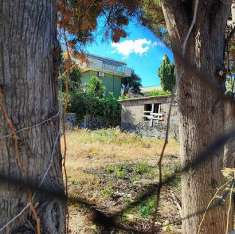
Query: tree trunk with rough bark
x=28 y=82
x=201 y=109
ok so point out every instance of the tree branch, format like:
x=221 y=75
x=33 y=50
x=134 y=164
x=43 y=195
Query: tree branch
x=176 y=16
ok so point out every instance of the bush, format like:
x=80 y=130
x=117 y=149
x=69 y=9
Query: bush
x=95 y=87
x=166 y=72
x=91 y=101
x=107 y=108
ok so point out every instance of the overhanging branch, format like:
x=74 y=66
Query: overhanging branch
x=176 y=17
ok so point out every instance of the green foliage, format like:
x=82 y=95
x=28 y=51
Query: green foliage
x=95 y=87
x=147 y=207
x=106 y=107
x=73 y=80
x=79 y=18
x=91 y=101
x=131 y=83
x=115 y=136
x=158 y=92
x=131 y=171
x=107 y=191
x=142 y=168
x=123 y=97
x=153 y=18
x=120 y=171
x=166 y=72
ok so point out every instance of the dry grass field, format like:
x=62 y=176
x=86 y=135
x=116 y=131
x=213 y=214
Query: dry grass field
x=110 y=169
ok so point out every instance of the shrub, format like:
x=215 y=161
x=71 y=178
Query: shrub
x=91 y=101
x=95 y=87
x=107 y=108
x=166 y=72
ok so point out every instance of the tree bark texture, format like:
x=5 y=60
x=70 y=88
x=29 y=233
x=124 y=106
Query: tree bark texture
x=28 y=82
x=200 y=107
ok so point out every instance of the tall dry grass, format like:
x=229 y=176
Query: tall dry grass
x=92 y=149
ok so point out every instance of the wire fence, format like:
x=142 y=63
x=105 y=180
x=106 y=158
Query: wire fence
x=112 y=220
x=151 y=190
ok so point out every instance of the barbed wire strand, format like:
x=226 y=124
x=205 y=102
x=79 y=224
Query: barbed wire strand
x=44 y=177
x=209 y=204
x=15 y=217
x=217 y=144
x=219 y=202
x=30 y=127
x=40 y=184
x=203 y=157
x=51 y=159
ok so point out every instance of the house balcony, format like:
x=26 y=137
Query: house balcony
x=106 y=65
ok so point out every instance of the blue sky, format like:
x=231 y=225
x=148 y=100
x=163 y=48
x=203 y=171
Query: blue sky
x=141 y=51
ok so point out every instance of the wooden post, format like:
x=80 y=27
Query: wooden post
x=151 y=115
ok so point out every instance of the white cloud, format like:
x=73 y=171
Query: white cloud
x=139 y=46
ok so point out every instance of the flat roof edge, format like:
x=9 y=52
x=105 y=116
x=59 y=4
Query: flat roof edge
x=145 y=98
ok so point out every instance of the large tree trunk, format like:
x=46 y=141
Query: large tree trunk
x=201 y=109
x=28 y=81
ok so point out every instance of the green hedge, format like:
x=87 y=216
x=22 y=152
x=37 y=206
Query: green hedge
x=107 y=107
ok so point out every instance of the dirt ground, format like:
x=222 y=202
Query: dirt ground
x=111 y=171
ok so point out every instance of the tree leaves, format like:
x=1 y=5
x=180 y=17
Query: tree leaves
x=79 y=18
x=166 y=74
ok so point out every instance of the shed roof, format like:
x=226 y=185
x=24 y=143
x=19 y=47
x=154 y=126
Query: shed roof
x=151 y=98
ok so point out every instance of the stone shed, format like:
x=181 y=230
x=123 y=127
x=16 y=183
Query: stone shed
x=148 y=116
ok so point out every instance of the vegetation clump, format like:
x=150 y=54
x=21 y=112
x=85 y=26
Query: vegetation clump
x=158 y=92
x=89 y=100
x=166 y=72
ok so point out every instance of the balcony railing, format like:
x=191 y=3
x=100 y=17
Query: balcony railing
x=104 y=67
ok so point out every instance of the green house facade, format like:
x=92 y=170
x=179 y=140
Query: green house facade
x=109 y=71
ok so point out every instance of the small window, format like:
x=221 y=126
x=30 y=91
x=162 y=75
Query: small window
x=156 y=108
x=147 y=111
x=150 y=110
x=100 y=74
x=147 y=107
